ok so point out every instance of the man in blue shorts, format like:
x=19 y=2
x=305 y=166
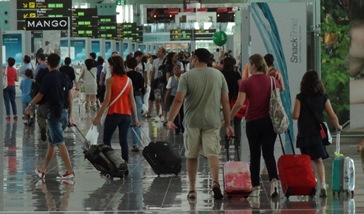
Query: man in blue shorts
x=56 y=88
x=204 y=90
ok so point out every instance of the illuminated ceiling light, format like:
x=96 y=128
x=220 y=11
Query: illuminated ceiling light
x=196 y=26
x=207 y=25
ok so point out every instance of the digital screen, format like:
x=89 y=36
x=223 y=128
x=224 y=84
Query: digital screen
x=107 y=27
x=84 y=22
x=48 y=4
x=130 y=31
x=12 y=44
x=204 y=34
x=178 y=35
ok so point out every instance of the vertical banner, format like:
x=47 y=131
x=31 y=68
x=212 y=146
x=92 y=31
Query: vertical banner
x=282 y=32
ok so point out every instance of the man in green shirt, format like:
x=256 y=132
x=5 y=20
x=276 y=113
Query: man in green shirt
x=203 y=90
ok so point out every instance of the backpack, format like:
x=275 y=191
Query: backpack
x=34 y=89
x=162 y=68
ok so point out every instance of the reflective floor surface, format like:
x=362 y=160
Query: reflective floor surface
x=142 y=191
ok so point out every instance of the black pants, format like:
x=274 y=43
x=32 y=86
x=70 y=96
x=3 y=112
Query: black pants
x=101 y=93
x=261 y=137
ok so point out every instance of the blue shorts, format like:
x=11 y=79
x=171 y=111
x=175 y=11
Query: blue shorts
x=56 y=126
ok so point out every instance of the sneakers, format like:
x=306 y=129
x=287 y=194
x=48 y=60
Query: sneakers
x=43 y=135
x=255 y=192
x=274 y=186
x=15 y=117
x=40 y=174
x=7 y=118
x=323 y=191
x=135 y=149
x=66 y=176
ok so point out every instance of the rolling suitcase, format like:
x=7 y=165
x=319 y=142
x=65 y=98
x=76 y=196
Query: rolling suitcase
x=104 y=158
x=161 y=156
x=296 y=173
x=237 y=180
x=343 y=172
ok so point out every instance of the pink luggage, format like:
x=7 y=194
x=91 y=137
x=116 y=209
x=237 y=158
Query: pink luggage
x=237 y=181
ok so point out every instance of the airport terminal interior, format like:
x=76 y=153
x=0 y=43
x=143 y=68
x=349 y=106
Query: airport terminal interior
x=142 y=191
x=235 y=28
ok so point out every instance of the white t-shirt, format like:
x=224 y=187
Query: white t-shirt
x=156 y=63
x=106 y=70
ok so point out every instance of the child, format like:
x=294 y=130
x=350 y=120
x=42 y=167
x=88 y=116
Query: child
x=171 y=87
x=25 y=86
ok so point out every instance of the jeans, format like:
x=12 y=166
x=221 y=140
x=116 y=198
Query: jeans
x=137 y=137
x=9 y=98
x=261 y=137
x=122 y=121
x=56 y=126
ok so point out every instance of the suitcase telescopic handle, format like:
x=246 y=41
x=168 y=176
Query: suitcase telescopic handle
x=290 y=140
x=338 y=135
x=141 y=130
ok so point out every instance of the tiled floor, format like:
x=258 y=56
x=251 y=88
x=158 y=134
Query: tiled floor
x=142 y=191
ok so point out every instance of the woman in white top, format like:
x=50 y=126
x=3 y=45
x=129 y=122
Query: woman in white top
x=88 y=74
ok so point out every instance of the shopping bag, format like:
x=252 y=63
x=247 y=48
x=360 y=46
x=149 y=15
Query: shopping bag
x=92 y=135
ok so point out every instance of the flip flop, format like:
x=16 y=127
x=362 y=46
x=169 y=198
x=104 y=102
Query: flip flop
x=217 y=191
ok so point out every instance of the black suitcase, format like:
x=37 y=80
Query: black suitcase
x=162 y=158
x=104 y=158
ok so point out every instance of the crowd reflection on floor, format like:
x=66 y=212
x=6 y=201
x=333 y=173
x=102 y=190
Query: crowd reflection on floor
x=142 y=190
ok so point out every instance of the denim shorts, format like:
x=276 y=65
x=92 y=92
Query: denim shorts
x=56 y=126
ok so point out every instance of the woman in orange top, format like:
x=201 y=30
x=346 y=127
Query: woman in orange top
x=9 y=91
x=119 y=114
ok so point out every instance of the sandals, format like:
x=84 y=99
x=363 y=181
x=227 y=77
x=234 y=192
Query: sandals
x=217 y=191
x=192 y=195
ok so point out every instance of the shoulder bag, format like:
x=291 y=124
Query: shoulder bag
x=103 y=117
x=324 y=128
x=276 y=111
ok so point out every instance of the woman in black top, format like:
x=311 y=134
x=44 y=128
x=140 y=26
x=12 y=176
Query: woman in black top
x=139 y=90
x=309 y=105
x=232 y=78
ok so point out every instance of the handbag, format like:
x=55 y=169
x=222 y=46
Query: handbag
x=323 y=127
x=242 y=111
x=5 y=78
x=103 y=116
x=276 y=110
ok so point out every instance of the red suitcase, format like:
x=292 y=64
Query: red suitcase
x=296 y=173
x=237 y=181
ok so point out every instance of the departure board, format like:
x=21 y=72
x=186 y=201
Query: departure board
x=130 y=31
x=204 y=34
x=107 y=27
x=41 y=9
x=84 y=22
x=180 y=35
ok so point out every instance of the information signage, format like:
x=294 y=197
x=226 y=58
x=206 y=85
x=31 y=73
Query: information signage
x=48 y=23
x=180 y=35
x=130 y=31
x=40 y=9
x=84 y=22
x=107 y=27
x=204 y=34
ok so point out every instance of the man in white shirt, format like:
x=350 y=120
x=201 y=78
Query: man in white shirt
x=105 y=73
x=157 y=87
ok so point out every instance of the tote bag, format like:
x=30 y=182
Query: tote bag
x=5 y=78
x=276 y=111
